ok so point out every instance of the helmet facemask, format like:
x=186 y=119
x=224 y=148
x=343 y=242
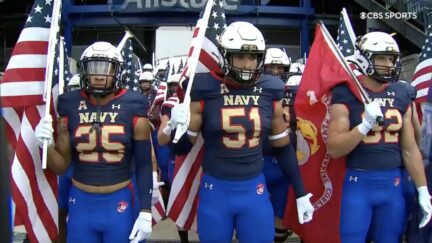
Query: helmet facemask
x=283 y=75
x=101 y=67
x=384 y=74
x=245 y=77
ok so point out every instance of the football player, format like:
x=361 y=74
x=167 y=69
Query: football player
x=146 y=84
x=234 y=111
x=277 y=63
x=372 y=192
x=101 y=128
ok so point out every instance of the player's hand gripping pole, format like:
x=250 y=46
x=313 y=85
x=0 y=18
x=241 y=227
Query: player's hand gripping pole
x=363 y=93
x=192 y=65
x=54 y=30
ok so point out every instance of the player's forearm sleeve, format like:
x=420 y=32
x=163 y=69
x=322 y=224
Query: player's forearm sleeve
x=287 y=159
x=144 y=179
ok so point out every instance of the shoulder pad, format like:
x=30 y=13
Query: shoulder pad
x=205 y=86
x=341 y=94
x=273 y=85
x=137 y=103
x=66 y=100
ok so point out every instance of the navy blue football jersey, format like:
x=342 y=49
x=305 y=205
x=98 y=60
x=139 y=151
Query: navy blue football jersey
x=151 y=96
x=102 y=156
x=235 y=119
x=380 y=149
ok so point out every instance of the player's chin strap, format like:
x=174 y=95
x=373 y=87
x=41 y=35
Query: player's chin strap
x=97 y=124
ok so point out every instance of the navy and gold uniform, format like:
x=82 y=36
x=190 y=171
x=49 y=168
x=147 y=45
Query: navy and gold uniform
x=235 y=119
x=101 y=138
x=372 y=189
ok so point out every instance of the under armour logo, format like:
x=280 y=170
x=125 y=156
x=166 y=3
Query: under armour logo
x=259 y=90
x=115 y=107
x=71 y=200
x=353 y=178
x=391 y=93
x=209 y=186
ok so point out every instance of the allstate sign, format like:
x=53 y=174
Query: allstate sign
x=154 y=5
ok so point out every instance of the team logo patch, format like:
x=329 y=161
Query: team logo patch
x=396 y=181
x=307 y=140
x=122 y=206
x=82 y=105
x=260 y=189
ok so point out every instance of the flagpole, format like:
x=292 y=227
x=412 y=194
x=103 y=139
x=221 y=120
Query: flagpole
x=5 y=196
x=54 y=30
x=61 y=65
x=364 y=95
x=181 y=129
x=126 y=36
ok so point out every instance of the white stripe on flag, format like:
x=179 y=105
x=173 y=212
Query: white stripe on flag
x=11 y=117
x=420 y=79
x=22 y=88
x=425 y=63
x=422 y=92
x=181 y=176
x=34 y=34
x=21 y=180
x=27 y=61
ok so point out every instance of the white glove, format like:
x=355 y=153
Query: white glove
x=304 y=208
x=179 y=115
x=142 y=228
x=156 y=185
x=44 y=131
x=424 y=199
x=372 y=112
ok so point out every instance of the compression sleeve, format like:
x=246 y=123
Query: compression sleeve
x=144 y=177
x=287 y=159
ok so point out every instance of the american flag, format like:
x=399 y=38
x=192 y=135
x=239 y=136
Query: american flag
x=162 y=87
x=67 y=75
x=422 y=79
x=180 y=67
x=130 y=77
x=183 y=199
x=173 y=70
x=209 y=56
x=33 y=189
x=346 y=39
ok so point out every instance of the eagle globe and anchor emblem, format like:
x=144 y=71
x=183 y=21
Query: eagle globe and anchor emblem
x=307 y=140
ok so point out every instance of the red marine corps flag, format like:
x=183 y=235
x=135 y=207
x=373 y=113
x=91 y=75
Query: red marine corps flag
x=322 y=176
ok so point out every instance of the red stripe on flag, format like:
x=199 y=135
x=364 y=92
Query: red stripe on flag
x=178 y=204
x=22 y=210
x=160 y=209
x=24 y=74
x=191 y=219
x=30 y=47
x=8 y=101
x=208 y=61
x=196 y=31
x=423 y=71
x=26 y=161
x=423 y=85
x=190 y=51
